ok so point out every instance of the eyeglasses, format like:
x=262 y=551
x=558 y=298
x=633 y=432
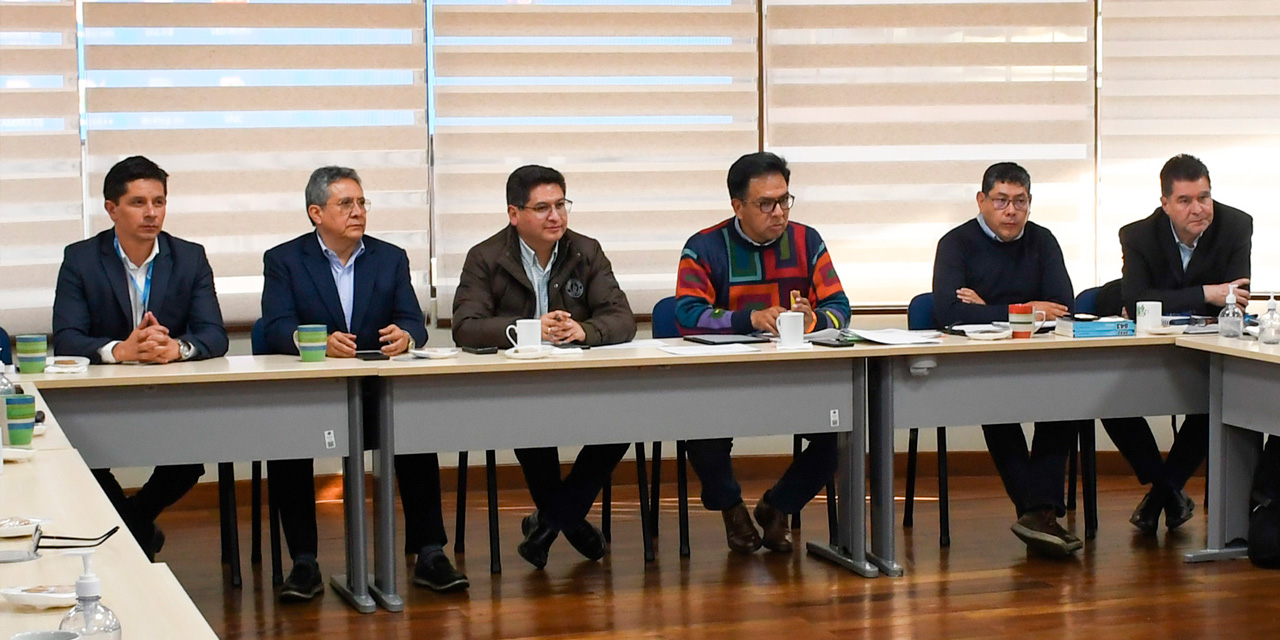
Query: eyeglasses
x=542 y=208
x=1000 y=203
x=767 y=206
x=347 y=205
x=37 y=537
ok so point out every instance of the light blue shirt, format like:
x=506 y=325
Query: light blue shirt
x=344 y=276
x=991 y=234
x=538 y=275
x=1183 y=249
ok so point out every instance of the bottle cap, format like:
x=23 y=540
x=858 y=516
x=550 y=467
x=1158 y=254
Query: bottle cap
x=1231 y=294
x=88 y=585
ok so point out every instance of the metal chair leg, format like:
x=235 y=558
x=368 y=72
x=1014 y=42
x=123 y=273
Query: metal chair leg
x=491 y=479
x=277 y=554
x=460 y=522
x=1073 y=469
x=944 y=498
x=1089 y=469
x=656 y=490
x=833 y=516
x=255 y=522
x=797 y=447
x=682 y=491
x=646 y=533
x=606 y=509
x=909 y=506
x=230 y=529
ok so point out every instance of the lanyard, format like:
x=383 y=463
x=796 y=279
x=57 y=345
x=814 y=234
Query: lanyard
x=144 y=293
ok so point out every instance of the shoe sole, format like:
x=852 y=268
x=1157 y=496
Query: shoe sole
x=1044 y=543
x=461 y=584
x=300 y=596
x=788 y=548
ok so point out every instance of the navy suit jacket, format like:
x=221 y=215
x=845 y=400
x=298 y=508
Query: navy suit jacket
x=91 y=306
x=298 y=288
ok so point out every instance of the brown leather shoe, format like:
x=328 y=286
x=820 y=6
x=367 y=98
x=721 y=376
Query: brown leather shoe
x=777 y=531
x=739 y=531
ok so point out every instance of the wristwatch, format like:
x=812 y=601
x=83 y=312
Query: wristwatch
x=186 y=350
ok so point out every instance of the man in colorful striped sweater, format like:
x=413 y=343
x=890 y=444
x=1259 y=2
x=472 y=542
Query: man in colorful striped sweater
x=736 y=277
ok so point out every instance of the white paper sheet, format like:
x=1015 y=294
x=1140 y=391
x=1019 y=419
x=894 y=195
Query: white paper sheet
x=893 y=336
x=634 y=344
x=708 y=349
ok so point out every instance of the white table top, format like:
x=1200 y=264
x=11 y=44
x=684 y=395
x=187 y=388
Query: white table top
x=1248 y=349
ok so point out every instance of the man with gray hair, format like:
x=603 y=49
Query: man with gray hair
x=359 y=288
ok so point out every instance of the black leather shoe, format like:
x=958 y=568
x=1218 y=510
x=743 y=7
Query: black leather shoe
x=434 y=571
x=538 y=536
x=157 y=543
x=776 y=526
x=738 y=530
x=1147 y=516
x=587 y=539
x=1178 y=509
x=303 y=583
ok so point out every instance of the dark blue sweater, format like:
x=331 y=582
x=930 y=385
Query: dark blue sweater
x=1001 y=273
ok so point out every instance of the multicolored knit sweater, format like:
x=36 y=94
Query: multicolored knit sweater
x=724 y=276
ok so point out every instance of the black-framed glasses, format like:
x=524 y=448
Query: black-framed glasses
x=767 y=205
x=348 y=205
x=1001 y=203
x=543 y=208
x=38 y=540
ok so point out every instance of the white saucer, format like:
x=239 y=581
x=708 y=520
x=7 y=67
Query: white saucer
x=989 y=335
x=518 y=353
x=19 y=527
x=561 y=352
x=1171 y=330
x=66 y=364
x=25 y=597
x=39 y=430
x=436 y=353
x=14 y=454
x=806 y=346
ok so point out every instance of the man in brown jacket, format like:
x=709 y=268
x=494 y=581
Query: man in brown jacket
x=537 y=268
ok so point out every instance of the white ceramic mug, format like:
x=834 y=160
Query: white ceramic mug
x=528 y=334
x=790 y=329
x=1149 y=313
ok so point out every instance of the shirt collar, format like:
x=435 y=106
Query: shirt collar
x=737 y=226
x=1178 y=239
x=333 y=256
x=529 y=256
x=155 y=251
x=991 y=234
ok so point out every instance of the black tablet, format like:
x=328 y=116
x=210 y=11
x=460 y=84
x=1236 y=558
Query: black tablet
x=725 y=338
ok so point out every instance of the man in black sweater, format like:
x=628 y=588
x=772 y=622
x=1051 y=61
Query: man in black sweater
x=1186 y=255
x=982 y=266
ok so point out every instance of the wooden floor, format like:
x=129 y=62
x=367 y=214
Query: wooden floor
x=1122 y=585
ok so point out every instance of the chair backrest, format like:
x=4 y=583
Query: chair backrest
x=258 y=339
x=920 y=312
x=1087 y=301
x=6 y=347
x=664 y=318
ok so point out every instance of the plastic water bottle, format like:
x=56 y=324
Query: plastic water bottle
x=1269 y=324
x=90 y=618
x=1231 y=320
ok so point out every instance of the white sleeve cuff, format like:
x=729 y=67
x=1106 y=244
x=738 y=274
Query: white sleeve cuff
x=105 y=352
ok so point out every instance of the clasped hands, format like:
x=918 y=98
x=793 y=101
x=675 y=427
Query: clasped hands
x=148 y=342
x=395 y=341
x=559 y=327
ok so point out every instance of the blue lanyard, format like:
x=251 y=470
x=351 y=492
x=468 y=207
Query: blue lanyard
x=144 y=293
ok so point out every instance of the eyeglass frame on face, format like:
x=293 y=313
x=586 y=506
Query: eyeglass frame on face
x=347 y=206
x=768 y=205
x=1000 y=203
x=562 y=206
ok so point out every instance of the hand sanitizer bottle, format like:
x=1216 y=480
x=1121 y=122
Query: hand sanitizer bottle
x=89 y=617
x=1269 y=324
x=1231 y=320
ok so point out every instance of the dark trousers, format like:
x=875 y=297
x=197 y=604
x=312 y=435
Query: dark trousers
x=806 y=476
x=1034 y=479
x=293 y=489
x=166 y=486
x=566 y=502
x=1134 y=440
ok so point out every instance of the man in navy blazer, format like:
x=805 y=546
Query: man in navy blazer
x=134 y=293
x=359 y=288
x=1187 y=255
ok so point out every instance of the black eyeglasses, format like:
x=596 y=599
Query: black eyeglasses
x=38 y=537
x=542 y=208
x=767 y=205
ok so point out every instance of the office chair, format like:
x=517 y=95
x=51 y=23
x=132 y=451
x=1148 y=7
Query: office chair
x=919 y=317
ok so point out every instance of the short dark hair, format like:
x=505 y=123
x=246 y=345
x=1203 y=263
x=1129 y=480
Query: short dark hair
x=1008 y=173
x=116 y=183
x=522 y=182
x=1183 y=167
x=754 y=165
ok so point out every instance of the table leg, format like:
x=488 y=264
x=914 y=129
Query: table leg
x=850 y=550
x=1229 y=484
x=880 y=428
x=383 y=584
x=354 y=585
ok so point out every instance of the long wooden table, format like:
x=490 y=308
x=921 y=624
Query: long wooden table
x=1243 y=407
